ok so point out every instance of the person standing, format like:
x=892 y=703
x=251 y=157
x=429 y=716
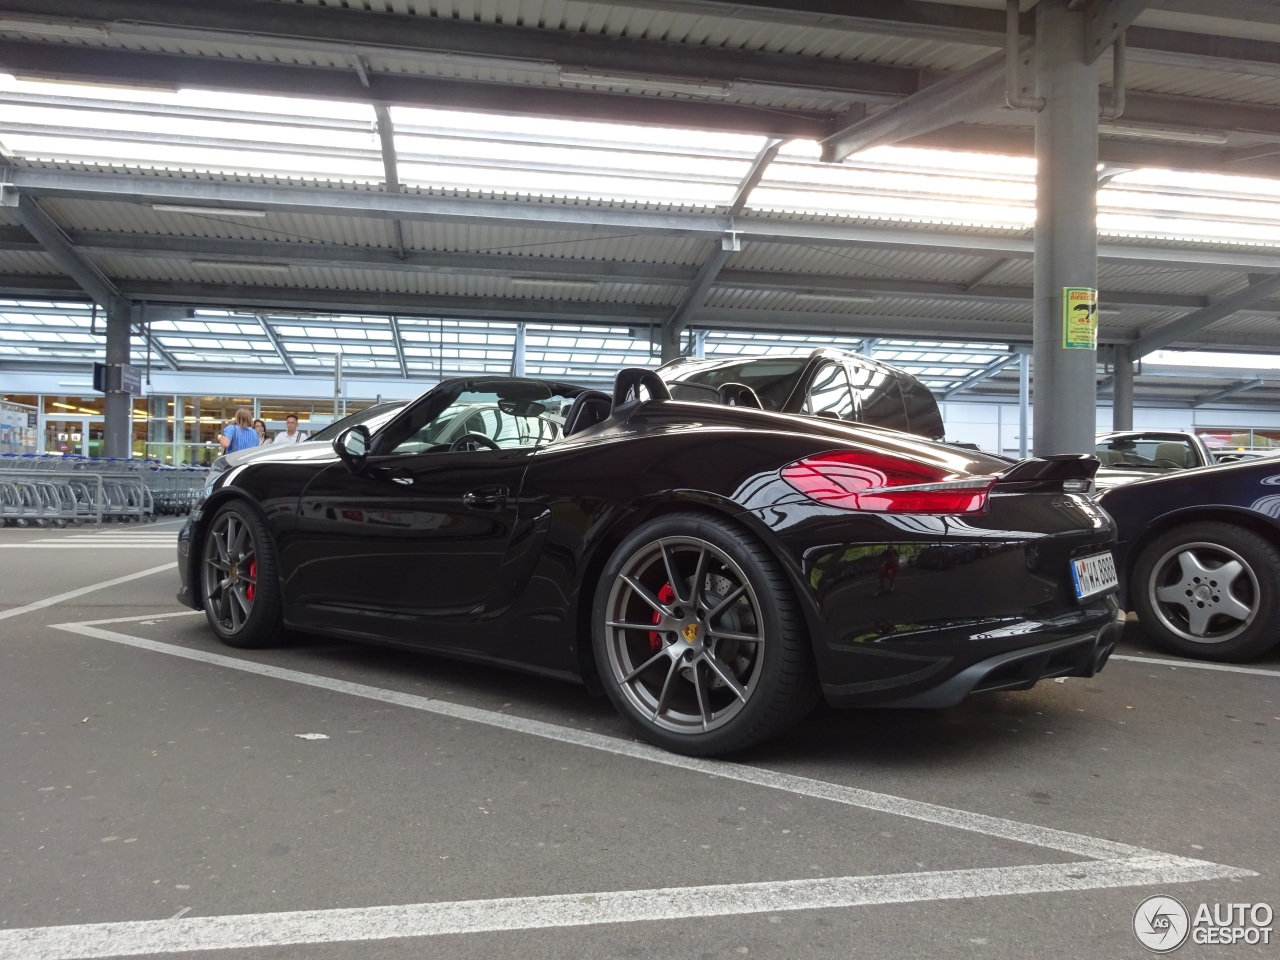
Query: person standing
x=260 y=427
x=291 y=432
x=239 y=434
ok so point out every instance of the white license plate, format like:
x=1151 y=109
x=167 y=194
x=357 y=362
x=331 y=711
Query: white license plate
x=1093 y=575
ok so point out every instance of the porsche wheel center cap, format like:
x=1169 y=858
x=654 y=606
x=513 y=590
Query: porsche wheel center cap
x=690 y=633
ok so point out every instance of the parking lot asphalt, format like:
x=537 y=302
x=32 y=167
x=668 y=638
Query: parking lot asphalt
x=164 y=795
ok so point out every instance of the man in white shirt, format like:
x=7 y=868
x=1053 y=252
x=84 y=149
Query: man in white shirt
x=291 y=433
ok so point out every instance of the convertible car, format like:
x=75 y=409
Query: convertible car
x=1200 y=554
x=714 y=569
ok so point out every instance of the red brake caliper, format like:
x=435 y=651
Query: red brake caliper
x=667 y=595
x=251 y=589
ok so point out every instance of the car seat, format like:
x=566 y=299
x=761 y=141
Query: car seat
x=1176 y=453
x=738 y=395
x=590 y=408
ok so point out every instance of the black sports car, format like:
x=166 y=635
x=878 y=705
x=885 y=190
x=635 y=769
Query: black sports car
x=1199 y=555
x=713 y=569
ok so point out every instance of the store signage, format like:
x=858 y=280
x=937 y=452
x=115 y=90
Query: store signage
x=1079 y=318
x=117 y=378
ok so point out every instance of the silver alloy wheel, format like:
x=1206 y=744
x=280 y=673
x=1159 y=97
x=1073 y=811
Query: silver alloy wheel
x=1203 y=592
x=684 y=634
x=230 y=572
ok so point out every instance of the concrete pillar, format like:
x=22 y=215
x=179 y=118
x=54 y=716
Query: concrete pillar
x=669 y=341
x=1024 y=402
x=1122 y=389
x=1066 y=241
x=117 y=408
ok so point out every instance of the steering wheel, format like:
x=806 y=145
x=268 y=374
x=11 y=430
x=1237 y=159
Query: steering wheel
x=1167 y=462
x=473 y=441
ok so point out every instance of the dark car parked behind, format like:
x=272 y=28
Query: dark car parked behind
x=1199 y=558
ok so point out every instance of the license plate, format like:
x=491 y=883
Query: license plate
x=1094 y=574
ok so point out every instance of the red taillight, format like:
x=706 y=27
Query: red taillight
x=878 y=483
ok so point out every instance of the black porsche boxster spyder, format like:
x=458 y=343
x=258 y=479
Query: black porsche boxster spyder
x=714 y=569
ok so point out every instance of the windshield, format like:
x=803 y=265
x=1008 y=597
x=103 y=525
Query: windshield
x=1146 y=453
x=374 y=417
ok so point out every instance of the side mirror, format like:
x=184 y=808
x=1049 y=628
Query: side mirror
x=352 y=447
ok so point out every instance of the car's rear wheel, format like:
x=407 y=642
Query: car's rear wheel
x=239 y=585
x=698 y=639
x=1209 y=590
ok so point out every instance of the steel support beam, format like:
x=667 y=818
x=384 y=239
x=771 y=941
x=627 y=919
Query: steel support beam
x=976 y=90
x=142 y=320
x=1122 y=394
x=398 y=342
x=281 y=352
x=422 y=37
x=55 y=243
x=986 y=373
x=245 y=76
x=669 y=336
x=1066 y=244
x=1231 y=391
x=341 y=256
x=117 y=426
x=391 y=173
x=1105 y=22
x=518 y=352
x=1186 y=326
x=321 y=201
x=347 y=32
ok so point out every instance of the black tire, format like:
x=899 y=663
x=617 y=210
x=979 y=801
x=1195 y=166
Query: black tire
x=239 y=580
x=702 y=672
x=1209 y=590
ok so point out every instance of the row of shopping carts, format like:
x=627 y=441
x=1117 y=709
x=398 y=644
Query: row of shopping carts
x=56 y=490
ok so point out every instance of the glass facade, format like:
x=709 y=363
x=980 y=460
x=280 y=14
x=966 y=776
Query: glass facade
x=171 y=429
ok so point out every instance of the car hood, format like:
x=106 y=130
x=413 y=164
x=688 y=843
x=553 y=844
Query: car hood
x=307 y=450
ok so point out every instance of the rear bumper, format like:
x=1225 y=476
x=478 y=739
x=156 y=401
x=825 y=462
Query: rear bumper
x=1079 y=656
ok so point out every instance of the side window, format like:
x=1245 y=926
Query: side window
x=829 y=394
x=506 y=416
x=881 y=395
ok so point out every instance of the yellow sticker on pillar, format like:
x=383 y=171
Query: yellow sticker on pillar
x=1079 y=318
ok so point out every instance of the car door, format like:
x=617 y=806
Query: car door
x=417 y=536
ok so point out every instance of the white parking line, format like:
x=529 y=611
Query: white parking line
x=152 y=937
x=81 y=591
x=1199 y=665
x=1073 y=843
x=1111 y=864
x=108 y=545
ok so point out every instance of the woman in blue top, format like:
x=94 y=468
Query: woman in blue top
x=239 y=435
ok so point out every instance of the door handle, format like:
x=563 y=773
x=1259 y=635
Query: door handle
x=485 y=497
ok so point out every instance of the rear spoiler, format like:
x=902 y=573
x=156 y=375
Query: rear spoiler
x=1061 y=467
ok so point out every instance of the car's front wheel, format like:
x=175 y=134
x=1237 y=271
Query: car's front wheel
x=239 y=585
x=1209 y=590
x=698 y=638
